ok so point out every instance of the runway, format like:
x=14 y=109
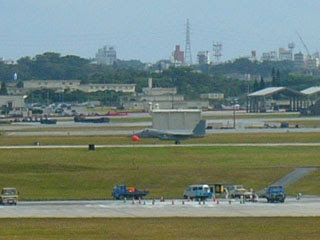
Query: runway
x=316 y=144
x=307 y=206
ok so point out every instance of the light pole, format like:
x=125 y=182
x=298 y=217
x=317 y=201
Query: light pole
x=234 y=113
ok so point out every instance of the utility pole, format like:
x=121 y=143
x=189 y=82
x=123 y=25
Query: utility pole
x=234 y=113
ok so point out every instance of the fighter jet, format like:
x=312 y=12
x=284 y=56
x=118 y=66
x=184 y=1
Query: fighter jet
x=175 y=135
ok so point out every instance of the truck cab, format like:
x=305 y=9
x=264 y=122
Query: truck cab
x=9 y=196
x=198 y=191
x=275 y=194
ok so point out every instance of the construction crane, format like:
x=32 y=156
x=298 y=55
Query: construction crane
x=305 y=46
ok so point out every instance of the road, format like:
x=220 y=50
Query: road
x=88 y=132
x=294 y=176
x=307 y=206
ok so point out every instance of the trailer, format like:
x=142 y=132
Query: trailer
x=123 y=192
x=48 y=121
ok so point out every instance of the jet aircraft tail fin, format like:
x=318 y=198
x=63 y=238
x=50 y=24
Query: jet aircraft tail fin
x=200 y=129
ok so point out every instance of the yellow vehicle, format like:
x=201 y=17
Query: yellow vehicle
x=9 y=196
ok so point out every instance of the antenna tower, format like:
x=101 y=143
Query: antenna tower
x=217 y=48
x=188 y=56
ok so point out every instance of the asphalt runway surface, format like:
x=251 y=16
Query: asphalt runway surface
x=243 y=125
x=307 y=206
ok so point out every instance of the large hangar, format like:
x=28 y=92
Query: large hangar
x=260 y=100
x=313 y=101
x=177 y=119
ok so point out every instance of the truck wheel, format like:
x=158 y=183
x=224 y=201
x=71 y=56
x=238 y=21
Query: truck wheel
x=185 y=197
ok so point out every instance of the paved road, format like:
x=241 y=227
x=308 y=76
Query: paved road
x=294 y=176
x=309 y=206
x=167 y=145
x=291 y=178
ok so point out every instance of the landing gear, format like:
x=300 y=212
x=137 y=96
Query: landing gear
x=177 y=142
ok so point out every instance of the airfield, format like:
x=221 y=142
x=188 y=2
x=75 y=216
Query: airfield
x=59 y=178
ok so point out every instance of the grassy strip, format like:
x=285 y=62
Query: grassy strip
x=80 y=174
x=162 y=228
x=301 y=123
x=252 y=116
x=288 y=137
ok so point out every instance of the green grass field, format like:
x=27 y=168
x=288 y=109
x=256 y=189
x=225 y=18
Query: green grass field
x=162 y=228
x=83 y=174
x=288 y=137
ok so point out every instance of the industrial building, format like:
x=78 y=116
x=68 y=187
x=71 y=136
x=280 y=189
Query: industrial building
x=178 y=55
x=269 y=56
x=165 y=98
x=203 y=57
x=285 y=55
x=175 y=119
x=299 y=61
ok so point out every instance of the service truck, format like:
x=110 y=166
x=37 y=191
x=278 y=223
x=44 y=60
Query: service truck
x=274 y=194
x=122 y=192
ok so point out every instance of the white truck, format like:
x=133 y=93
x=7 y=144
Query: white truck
x=198 y=191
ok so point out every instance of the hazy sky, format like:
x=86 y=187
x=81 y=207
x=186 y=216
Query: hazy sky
x=150 y=29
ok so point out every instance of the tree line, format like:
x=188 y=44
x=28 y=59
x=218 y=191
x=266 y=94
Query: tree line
x=190 y=81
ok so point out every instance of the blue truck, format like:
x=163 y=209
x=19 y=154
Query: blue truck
x=123 y=192
x=275 y=194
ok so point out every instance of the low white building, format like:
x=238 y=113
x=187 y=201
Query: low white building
x=73 y=85
x=13 y=103
x=212 y=96
x=151 y=91
x=91 y=87
x=52 y=84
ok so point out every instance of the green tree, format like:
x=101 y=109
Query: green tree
x=273 y=76
x=255 y=85
x=3 y=90
x=262 y=84
x=278 y=78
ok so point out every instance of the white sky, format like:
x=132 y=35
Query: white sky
x=149 y=29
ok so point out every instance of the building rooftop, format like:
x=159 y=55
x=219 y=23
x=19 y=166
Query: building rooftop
x=311 y=90
x=266 y=91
